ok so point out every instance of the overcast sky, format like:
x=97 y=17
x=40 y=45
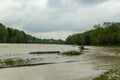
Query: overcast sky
x=57 y=18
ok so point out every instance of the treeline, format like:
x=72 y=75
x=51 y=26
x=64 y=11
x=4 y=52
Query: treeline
x=106 y=34
x=10 y=35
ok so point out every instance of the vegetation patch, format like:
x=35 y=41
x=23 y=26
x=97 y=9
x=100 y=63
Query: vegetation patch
x=72 y=53
x=12 y=62
x=10 y=35
x=113 y=74
x=108 y=34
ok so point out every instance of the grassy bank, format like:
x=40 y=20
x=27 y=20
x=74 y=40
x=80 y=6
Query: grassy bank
x=113 y=74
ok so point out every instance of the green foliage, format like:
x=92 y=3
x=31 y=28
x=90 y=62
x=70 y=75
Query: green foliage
x=10 y=35
x=113 y=74
x=3 y=33
x=10 y=62
x=106 y=34
x=72 y=53
x=13 y=62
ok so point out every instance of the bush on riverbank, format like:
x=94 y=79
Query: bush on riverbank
x=11 y=62
x=71 y=53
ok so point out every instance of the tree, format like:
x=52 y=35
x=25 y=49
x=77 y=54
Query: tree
x=108 y=34
x=3 y=33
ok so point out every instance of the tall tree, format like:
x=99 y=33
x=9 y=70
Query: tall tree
x=3 y=33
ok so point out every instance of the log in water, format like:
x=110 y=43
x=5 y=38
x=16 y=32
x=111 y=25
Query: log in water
x=43 y=52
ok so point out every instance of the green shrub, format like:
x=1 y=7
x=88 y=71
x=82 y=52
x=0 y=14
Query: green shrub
x=9 y=62
x=70 y=53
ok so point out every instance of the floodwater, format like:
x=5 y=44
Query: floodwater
x=93 y=62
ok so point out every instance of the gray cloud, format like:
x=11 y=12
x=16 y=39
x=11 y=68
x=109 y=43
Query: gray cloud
x=92 y=2
x=37 y=16
x=55 y=3
x=74 y=3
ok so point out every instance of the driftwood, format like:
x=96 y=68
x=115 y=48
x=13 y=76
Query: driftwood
x=44 y=52
x=35 y=64
x=25 y=65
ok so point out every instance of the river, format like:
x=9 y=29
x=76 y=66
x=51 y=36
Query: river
x=92 y=63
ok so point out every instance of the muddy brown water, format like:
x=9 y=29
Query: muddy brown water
x=93 y=62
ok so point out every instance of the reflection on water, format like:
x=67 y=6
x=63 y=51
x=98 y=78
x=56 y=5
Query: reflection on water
x=81 y=67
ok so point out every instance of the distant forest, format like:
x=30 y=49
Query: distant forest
x=10 y=35
x=106 y=34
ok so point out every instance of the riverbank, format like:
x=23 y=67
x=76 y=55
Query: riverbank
x=112 y=74
x=110 y=58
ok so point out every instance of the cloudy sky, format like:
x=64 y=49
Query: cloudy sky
x=57 y=18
